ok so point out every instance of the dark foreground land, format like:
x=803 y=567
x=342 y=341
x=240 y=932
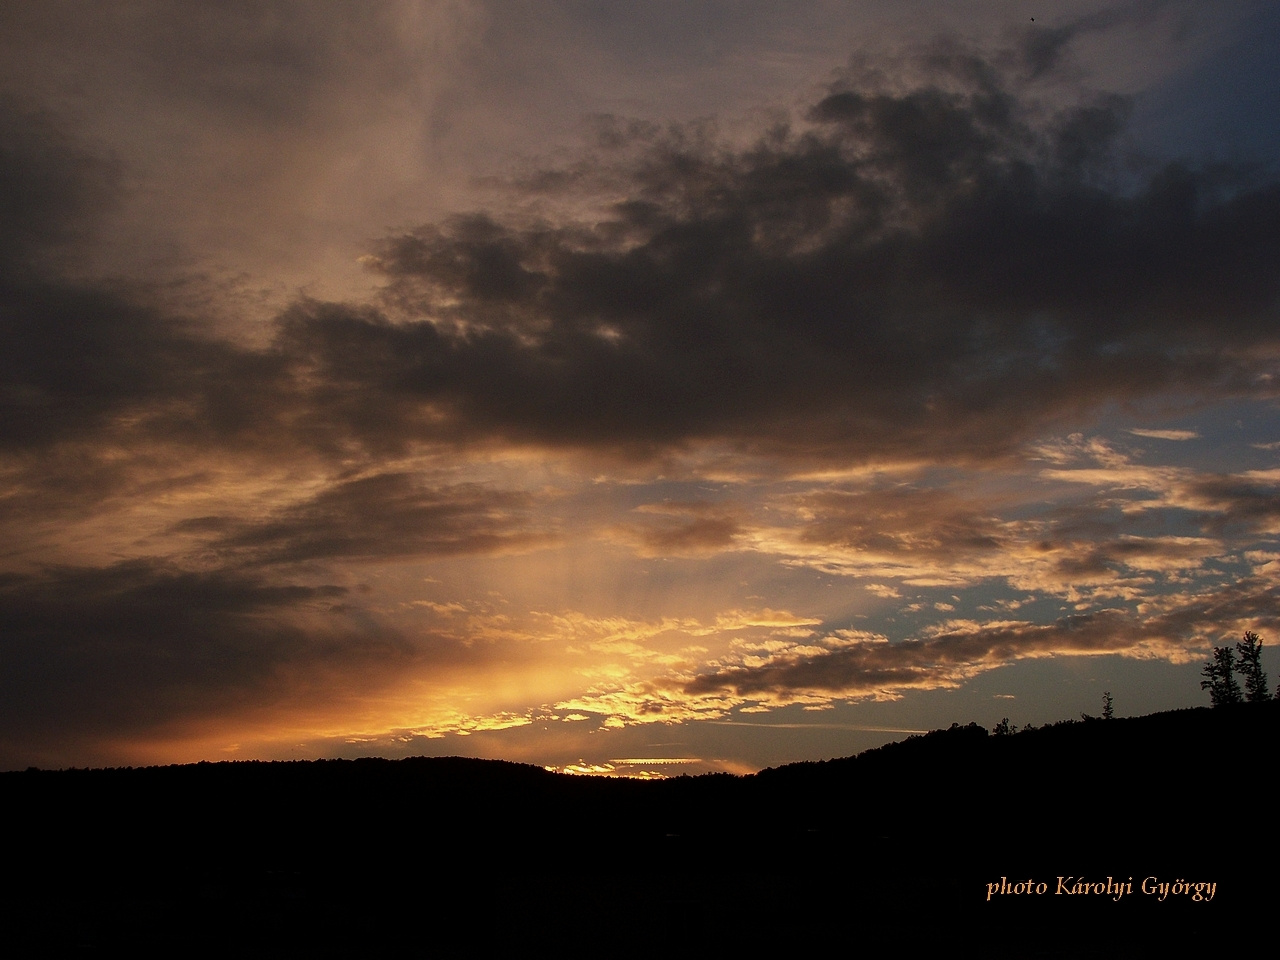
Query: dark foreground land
x=894 y=849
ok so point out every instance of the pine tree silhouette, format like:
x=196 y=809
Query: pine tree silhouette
x=1255 y=680
x=1220 y=679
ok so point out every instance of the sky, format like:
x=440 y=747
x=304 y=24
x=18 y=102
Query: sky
x=641 y=389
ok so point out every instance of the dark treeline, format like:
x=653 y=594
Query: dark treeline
x=1220 y=673
x=347 y=857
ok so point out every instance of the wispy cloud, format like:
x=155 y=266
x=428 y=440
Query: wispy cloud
x=1165 y=434
x=956 y=652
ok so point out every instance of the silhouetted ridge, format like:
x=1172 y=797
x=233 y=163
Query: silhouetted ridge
x=314 y=849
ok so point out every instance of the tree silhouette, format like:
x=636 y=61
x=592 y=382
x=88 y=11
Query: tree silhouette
x=1220 y=679
x=1108 y=706
x=1255 y=681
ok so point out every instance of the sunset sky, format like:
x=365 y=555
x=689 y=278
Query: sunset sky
x=645 y=388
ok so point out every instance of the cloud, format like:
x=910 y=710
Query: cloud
x=382 y=517
x=141 y=647
x=1097 y=527
x=683 y=529
x=1249 y=500
x=1165 y=434
x=1043 y=49
x=915 y=270
x=54 y=189
x=87 y=359
x=260 y=145
x=801 y=343
x=952 y=653
x=927 y=272
x=1216 y=502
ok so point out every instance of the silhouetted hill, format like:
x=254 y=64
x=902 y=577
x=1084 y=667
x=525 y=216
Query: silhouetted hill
x=896 y=845
x=1120 y=781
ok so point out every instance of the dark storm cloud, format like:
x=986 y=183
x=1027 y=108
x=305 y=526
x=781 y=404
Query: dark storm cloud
x=81 y=358
x=135 y=645
x=381 y=517
x=930 y=272
x=71 y=354
x=52 y=188
x=954 y=654
x=147 y=646
x=85 y=361
x=933 y=269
